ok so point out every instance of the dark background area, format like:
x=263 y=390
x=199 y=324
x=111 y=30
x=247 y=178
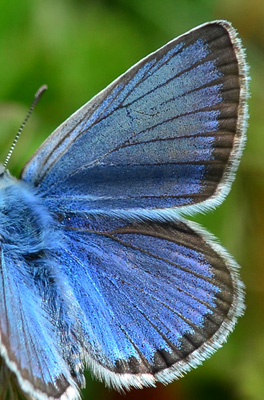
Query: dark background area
x=77 y=47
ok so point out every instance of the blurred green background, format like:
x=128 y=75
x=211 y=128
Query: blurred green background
x=77 y=47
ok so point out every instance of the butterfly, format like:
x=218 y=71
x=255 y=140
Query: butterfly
x=100 y=269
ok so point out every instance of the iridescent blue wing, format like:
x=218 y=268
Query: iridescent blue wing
x=159 y=297
x=166 y=134
x=155 y=297
x=29 y=340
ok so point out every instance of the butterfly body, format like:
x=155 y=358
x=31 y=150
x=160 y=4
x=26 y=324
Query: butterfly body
x=35 y=291
x=98 y=264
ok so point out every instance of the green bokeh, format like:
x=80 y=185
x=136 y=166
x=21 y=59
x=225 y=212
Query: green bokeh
x=77 y=48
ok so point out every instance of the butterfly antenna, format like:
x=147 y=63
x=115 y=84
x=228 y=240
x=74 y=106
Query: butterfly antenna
x=37 y=97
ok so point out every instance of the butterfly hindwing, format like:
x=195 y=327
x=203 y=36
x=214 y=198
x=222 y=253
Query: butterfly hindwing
x=166 y=134
x=27 y=335
x=159 y=297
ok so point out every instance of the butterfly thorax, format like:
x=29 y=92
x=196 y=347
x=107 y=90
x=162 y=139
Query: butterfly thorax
x=25 y=223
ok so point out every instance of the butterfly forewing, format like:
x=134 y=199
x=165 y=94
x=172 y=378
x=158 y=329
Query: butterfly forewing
x=160 y=136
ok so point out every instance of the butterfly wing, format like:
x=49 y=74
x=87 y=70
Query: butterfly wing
x=27 y=333
x=156 y=297
x=159 y=297
x=166 y=134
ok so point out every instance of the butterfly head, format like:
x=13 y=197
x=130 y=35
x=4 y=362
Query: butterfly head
x=5 y=178
x=2 y=170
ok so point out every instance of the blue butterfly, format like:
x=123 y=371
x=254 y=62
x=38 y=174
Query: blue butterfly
x=99 y=267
